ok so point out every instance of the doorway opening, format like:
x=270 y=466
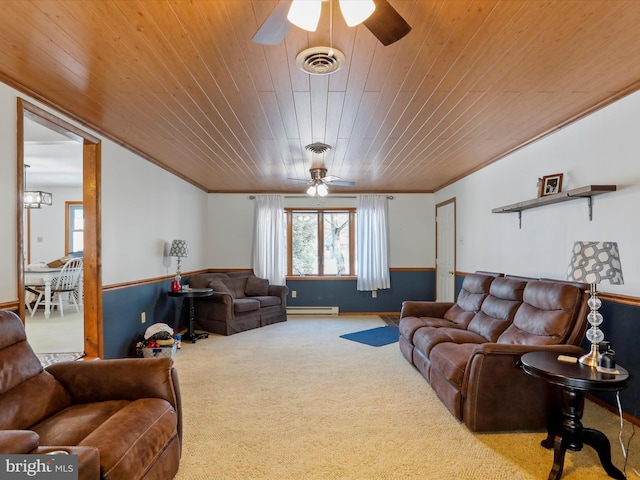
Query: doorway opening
x=90 y=199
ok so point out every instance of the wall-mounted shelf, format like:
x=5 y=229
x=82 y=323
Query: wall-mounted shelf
x=582 y=192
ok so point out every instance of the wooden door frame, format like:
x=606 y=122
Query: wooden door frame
x=91 y=187
x=442 y=204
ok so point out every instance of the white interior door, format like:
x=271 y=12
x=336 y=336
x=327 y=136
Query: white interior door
x=446 y=251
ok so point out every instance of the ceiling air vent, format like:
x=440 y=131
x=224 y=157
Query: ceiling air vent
x=320 y=60
x=318 y=147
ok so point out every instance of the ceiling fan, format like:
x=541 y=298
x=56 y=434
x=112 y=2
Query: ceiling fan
x=318 y=185
x=386 y=24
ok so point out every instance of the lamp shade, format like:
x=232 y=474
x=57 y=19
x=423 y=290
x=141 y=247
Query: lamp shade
x=356 y=11
x=179 y=249
x=305 y=14
x=595 y=262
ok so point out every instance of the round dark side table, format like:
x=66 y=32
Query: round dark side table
x=192 y=293
x=574 y=379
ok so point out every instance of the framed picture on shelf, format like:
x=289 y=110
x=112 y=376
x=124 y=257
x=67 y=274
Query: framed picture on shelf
x=551 y=184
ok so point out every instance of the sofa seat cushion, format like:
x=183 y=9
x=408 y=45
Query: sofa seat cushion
x=267 y=300
x=245 y=305
x=130 y=435
x=409 y=325
x=450 y=360
x=426 y=338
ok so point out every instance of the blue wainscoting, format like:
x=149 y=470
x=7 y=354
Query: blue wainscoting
x=405 y=285
x=621 y=326
x=121 y=309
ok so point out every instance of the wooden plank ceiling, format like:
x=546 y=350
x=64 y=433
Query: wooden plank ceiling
x=181 y=83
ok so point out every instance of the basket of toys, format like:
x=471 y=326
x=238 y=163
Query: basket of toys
x=159 y=341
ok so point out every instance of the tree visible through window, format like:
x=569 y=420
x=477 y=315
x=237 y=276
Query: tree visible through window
x=321 y=242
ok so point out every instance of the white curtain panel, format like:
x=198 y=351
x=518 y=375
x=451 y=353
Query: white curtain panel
x=372 y=247
x=269 y=241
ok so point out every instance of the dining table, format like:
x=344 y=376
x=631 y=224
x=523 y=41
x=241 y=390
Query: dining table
x=36 y=276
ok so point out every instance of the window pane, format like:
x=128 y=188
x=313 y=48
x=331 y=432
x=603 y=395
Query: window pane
x=304 y=243
x=336 y=243
x=78 y=242
x=78 y=219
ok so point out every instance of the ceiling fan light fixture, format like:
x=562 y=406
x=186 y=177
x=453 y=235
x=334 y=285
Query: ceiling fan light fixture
x=311 y=190
x=356 y=11
x=305 y=14
x=322 y=190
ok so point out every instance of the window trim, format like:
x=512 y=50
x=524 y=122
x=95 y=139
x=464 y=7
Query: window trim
x=352 y=242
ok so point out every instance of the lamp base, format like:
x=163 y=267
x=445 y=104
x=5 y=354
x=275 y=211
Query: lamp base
x=591 y=359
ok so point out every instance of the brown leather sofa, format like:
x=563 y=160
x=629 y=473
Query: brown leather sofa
x=121 y=417
x=240 y=301
x=469 y=351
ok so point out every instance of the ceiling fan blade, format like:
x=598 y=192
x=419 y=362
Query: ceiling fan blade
x=342 y=183
x=299 y=181
x=333 y=180
x=276 y=26
x=386 y=24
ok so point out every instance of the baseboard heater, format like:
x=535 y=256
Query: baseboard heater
x=313 y=310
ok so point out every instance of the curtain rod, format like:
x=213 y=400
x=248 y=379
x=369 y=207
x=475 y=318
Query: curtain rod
x=252 y=197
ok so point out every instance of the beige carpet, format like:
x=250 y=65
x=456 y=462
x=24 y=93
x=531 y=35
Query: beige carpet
x=295 y=401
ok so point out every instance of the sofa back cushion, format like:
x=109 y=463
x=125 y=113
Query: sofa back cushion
x=202 y=280
x=475 y=289
x=547 y=316
x=236 y=284
x=256 y=286
x=499 y=308
x=28 y=394
x=218 y=285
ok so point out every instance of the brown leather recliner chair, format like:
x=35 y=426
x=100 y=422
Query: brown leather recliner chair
x=121 y=417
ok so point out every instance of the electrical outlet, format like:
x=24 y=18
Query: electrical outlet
x=294 y=294
x=374 y=294
x=143 y=317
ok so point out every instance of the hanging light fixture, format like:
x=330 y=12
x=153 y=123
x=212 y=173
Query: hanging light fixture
x=34 y=198
x=37 y=198
x=305 y=14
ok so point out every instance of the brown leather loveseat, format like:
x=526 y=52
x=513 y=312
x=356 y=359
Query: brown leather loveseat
x=121 y=417
x=241 y=301
x=469 y=351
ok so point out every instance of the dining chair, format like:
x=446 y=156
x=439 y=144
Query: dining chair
x=63 y=286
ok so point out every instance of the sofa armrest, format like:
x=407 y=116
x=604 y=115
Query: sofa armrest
x=425 y=309
x=13 y=442
x=499 y=395
x=118 y=379
x=279 y=291
x=218 y=306
x=88 y=459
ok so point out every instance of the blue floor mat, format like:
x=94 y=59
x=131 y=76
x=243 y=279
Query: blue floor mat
x=376 y=337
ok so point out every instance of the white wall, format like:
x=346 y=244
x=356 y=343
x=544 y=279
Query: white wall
x=230 y=228
x=143 y=208
x=603 y=148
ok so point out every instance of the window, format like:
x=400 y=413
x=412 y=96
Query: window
x=321 y=242
x=75 y=227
